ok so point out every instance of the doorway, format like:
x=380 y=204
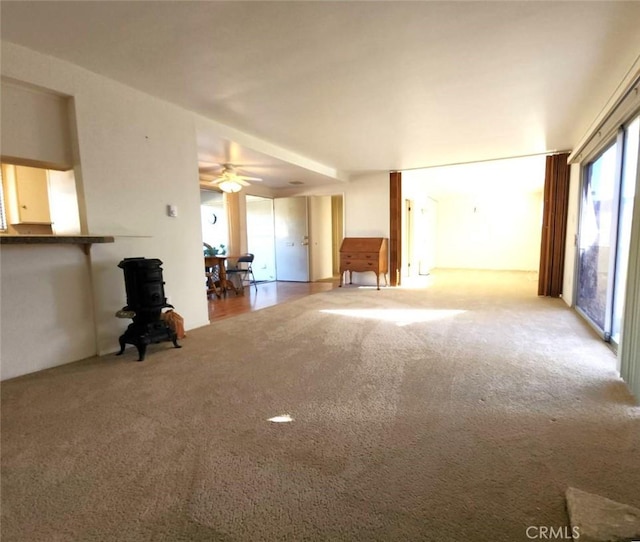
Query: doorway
x=407 y=243
x=426 y=225
x=482 y=215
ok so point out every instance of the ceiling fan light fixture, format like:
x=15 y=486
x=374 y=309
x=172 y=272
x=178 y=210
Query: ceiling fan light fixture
x=230 y=186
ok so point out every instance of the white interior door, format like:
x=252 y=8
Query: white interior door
x=320 y=238
x=427 y=243
x=408 y=254
x=292 y=239
x=261 y=237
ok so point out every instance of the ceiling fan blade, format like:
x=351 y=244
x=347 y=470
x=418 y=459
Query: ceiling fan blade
x=203 y=164
x=215 y=173
x=209 y=177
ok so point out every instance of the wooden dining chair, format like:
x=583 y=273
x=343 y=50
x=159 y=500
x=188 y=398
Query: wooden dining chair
x=212 y=273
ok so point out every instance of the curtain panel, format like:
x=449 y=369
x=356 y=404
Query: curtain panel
x=395 y=227
x=554 y=225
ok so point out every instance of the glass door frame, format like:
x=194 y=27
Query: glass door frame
x=626 y=137
x=613 y=237
x=585 y=172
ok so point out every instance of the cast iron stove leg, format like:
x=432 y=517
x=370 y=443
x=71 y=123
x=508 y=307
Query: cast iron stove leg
x=122 y=343
x=142 y=350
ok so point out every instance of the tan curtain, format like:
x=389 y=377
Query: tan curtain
x=232 y=207
x=554 y=225
x=337 y=231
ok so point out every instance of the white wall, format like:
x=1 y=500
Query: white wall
x=573 y=210
x=35 y=126
x=137 y=154
x=489 y=233
x=46 y=309
x=366 y=201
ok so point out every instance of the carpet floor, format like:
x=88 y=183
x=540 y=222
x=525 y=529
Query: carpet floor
x=458 y=411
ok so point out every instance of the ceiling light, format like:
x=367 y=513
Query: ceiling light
x=230 y=185
x=284 y=418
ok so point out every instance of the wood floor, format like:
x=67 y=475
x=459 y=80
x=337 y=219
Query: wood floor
x=266 y=294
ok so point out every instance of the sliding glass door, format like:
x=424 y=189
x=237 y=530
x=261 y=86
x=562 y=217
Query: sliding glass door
x=595 y=236
x=605 y=226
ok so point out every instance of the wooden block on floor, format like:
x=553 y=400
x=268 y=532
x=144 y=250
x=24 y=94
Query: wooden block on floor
x=598 y=519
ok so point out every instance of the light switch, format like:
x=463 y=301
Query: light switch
x=172 y=210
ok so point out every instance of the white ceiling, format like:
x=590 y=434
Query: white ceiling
x=312 y=91
x=493 y=178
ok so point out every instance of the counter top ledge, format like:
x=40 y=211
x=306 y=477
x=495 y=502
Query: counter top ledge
x=54 y=239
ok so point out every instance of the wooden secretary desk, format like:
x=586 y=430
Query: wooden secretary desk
x=364 y=254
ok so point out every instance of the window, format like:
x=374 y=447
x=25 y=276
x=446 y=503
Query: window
x=215 y=230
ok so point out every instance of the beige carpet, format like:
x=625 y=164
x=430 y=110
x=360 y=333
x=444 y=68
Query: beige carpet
x=458 y=412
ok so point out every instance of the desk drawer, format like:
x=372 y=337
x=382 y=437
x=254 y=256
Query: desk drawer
x=359 y=265
x=360 y=255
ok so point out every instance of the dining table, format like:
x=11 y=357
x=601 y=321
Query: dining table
x=222 y=285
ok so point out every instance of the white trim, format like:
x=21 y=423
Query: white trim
x=625 y=98
x=629 y=349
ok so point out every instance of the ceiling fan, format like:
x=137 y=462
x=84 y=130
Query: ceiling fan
x=227 y=179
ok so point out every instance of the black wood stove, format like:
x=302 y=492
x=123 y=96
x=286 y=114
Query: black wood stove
x=145 y=301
